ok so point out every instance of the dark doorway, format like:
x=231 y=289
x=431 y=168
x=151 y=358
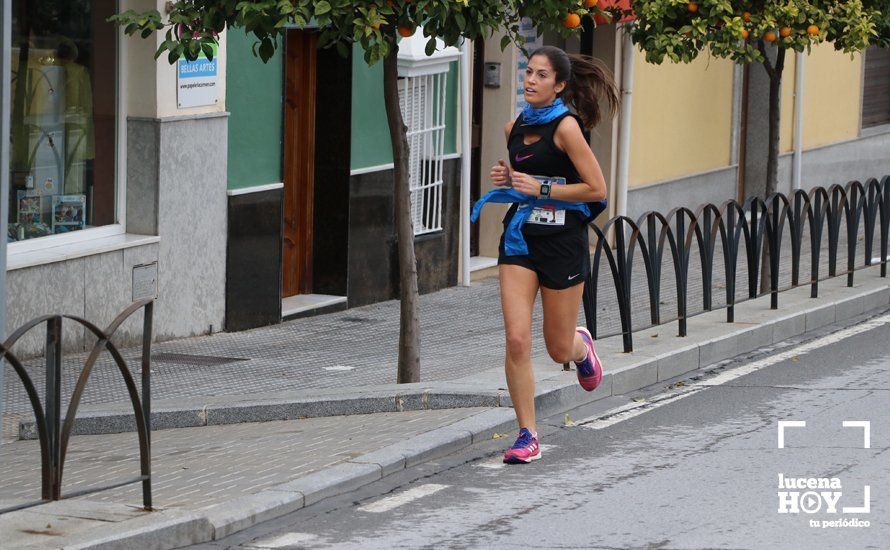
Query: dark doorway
x=476 y=137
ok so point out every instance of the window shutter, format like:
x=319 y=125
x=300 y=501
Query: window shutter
x=876 y=89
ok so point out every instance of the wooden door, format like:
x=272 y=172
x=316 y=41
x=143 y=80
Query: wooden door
x=299 y=154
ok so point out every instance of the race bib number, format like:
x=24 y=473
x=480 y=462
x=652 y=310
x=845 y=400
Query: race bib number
x=548 y=215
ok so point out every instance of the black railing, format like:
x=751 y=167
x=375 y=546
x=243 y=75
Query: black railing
x=757 y=223
x=54 y=437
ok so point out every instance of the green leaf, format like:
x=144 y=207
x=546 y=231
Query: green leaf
x=430 y=46
x=505 y=41
x=267 y=50
x=460 y=20
x=322 y=7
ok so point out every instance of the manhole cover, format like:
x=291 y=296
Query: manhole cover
x=196 y=360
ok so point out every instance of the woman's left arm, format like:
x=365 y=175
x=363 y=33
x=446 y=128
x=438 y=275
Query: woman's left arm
x=568 y=137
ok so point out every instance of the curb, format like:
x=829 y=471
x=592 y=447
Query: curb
x=656 y=359
x=185 y=413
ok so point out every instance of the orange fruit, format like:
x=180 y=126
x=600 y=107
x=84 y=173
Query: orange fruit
x=746 y=16
x=405 y=32
x=769 y=36
x=745 y=34
x=692 y=6
x=591 y=3
x=572 y=21
x=813 y=30
x=376 y=26
x=785 y=32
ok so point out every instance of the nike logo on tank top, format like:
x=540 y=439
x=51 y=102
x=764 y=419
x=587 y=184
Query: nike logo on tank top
x=544 y=160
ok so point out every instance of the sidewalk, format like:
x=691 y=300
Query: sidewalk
x=342 y=363
x=211 y=481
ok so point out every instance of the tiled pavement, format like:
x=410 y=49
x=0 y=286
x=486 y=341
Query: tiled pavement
x=197 y=467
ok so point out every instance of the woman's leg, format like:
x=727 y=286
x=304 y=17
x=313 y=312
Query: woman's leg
x=560 y=320
x=519 y=287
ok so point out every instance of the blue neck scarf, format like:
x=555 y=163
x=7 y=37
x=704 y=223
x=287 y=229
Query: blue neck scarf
x=535 y=117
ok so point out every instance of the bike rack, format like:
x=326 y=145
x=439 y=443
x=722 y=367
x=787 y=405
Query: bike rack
x=55 y=435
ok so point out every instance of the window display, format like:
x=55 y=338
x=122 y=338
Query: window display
x=62 y=117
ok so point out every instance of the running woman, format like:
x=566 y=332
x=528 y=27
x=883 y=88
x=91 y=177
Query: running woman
x=545 y=240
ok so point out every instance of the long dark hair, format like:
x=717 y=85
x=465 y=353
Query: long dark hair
x=588 y=82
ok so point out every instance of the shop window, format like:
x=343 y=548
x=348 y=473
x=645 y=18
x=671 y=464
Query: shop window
x=63 y=117
x=422 y=99
x=876 y=88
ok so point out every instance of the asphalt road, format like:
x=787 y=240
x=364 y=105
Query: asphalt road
x=693 y=465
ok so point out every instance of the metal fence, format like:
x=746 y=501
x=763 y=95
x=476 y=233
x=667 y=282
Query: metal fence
x=755 y=223
x=52 y=433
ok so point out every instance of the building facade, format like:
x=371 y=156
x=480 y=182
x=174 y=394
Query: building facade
x=309 y=145
x=117 y=175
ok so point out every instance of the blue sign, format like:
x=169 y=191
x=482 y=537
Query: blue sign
x=200 y=68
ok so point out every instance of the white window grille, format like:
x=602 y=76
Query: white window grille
x=422 y=99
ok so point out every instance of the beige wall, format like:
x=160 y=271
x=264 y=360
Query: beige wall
x=499 y=105
x=151 y=85
x=832 y=97
x=681 y=119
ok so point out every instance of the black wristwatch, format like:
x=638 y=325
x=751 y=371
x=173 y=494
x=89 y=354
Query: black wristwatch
x=545 y=190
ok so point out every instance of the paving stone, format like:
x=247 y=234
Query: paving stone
x=200 y=467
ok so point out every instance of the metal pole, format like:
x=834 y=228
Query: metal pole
x=465 y=121
x=5 y=79
x=798 y=122
x=627 y=75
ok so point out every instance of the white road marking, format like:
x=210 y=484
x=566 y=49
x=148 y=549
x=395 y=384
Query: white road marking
x=631 y=410
x=281 y=541
x=394 y=501
x=338 y=368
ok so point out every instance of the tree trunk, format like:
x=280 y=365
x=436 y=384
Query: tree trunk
x=409 y=323
x=772 y=162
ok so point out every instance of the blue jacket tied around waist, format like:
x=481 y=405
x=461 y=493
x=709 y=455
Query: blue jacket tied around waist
x=514 y=241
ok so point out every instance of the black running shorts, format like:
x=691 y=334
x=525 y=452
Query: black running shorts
x=560 y=261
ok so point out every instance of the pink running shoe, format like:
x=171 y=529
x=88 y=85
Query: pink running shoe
x=524 y=450
x=590 y=370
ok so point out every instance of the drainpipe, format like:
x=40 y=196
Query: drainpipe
x=627 y=68
x=465 y=60
x=5 y=80
x=798 y=122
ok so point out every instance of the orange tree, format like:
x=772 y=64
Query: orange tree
x=191 y=29
x=752 y=31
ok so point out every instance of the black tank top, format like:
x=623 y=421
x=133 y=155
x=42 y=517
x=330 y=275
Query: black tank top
x=542 y=158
